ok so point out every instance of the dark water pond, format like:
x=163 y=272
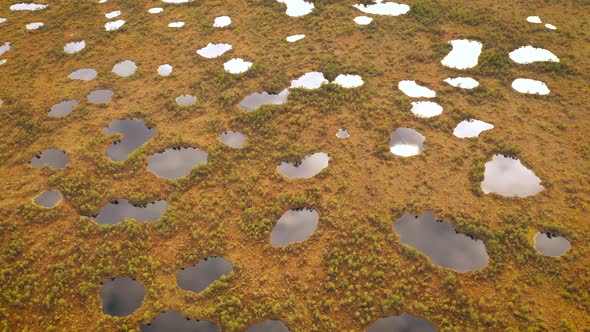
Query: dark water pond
x=295 y=225
x=135 y=134
x=175 y=163
x=53 y=158
x=119 y=210
x=198 y=277
x=174 y=321
x=550 y=244
x=121 y=296
x=48 y=199
x=402 y=323
x=257 y=99
x=270 y=325
x=438 y=240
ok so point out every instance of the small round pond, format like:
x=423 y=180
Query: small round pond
x=85 y=74
x=233 y=139
x=121 y=296
x=125 y=68
x=100 y=96
x=551 y=244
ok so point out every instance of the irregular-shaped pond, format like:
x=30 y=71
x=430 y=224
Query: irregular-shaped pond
x=471 y=128
x=311 y=80
x=119 y=210
x=198 y=277
x=508 y=177
x=426 y=109
x=53 y=158
x=294 y=226
x=100 y=96
x=135 y=134
x=383 y=8
x=439 y=241
x=294 y=38
x=213 y=50
x=402 y=323
x=550 y=244
x=270 y=325
x=530 y=54
x=257 y=99
x=175 y=163
x=237 y=66
x=27 y=6
x=296 y=8
x=121 y=296
x=34 y=25
x=174 y=321
x=114 y=25
x=307 y=168
x=406 y=142
x=464 y=55
x=221 y=21
x=48 y=199
x=525 y=85
x=463 y=82
x=85 y=74
x=125 y=68
x=411 y=89
x=233 y=139
x=62 y=109
x=348 y=81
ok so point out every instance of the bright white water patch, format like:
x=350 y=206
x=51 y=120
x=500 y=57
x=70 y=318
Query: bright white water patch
x=165 y=70
x=3 y=61
x=2 y=20
x=530 y=54
x=426 y=109
x=463 y=82
x=363 y=20
x=27 y=6
x=550 y=244
x=233 y=139
x=471 y=128
x=34 y=25
x=86 y=74
x=186 y=100
x=213 y=50
x=155 y=10
x=296 y=8
x=309 y=167
x=411 y=89
x=342 y=133
x=221 y=21
x=383 y=8
x=294 y=38
x=525 y=85
x=114 y=25
x=311 y=80
x=406 y=142
x=237 y=66
x=464 y=54
x=255 y=100
x=112 y=14
x=176 y=25
x=508 y=177
x=125 y=68
x=62 y=109
x=294 y=226
x=348 y=81
x=534 y=19
x=74 y=47
x=550 y=26
x=4 y=48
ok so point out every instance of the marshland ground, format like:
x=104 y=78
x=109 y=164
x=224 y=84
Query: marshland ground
x=353 y=270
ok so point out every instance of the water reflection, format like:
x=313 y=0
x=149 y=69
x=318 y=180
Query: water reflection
x=294 y=226
x=406 y=142
x=135 y=134
x=508 y=177
x=234 y=139
x=119 y=210
x=257 y=99
x=307 y=168
x=121 y=296
x=53 y=158
x=198 y=277
x=551 y=244
x=48 y=199
x=175 y=163
x=62 y=109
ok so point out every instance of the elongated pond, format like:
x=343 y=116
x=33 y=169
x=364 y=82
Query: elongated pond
x=135 y=134
x=200 y=276
x=402 y=323
x=121 y=209
x=255 y=100
x=62 y=109
x=294 y=226
x=438 y=240
x=121 y=296
x=174 y=163
x=309 y=167
x=174 y=321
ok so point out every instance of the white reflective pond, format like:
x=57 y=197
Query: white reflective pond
x=507 y=176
